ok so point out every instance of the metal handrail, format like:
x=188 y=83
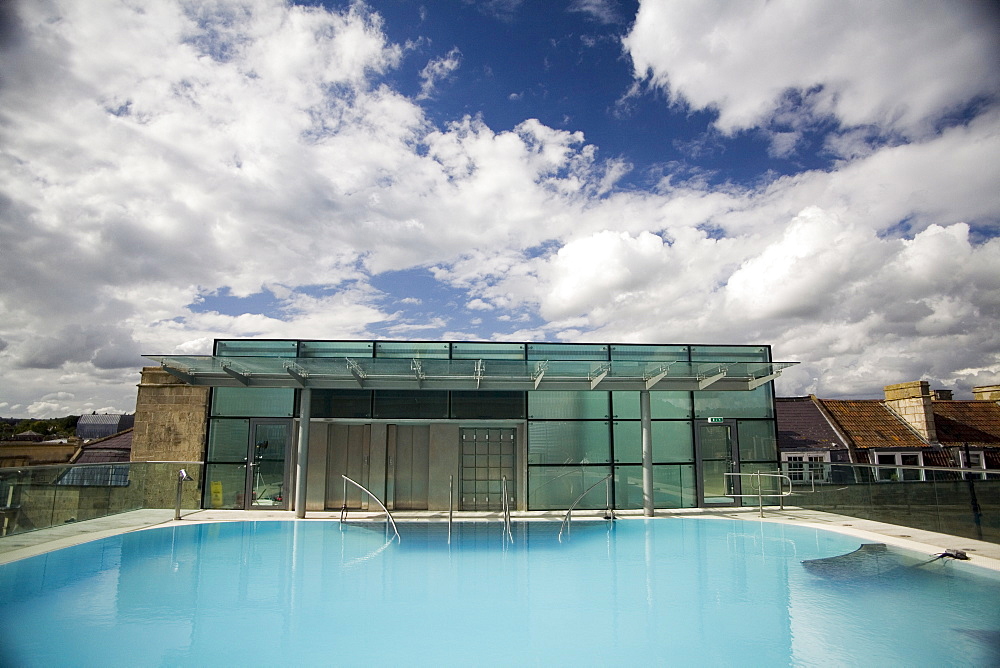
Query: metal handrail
x=388 y=515
x=505 y=504
x=760 y=493
x=451 y=503
x=569 y=513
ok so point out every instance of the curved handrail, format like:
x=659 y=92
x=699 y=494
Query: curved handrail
x=343 y=509
x=760 y=494
x=505 y=505
x=569 y=513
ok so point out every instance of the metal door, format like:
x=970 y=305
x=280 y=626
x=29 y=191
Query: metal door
x=347 y=453
x=717 y=455
x=267 y=465
x=407 y=466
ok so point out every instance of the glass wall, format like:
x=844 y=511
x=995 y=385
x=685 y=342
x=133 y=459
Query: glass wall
x=573 y=438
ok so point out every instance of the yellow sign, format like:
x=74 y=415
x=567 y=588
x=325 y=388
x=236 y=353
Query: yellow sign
x=216 y=490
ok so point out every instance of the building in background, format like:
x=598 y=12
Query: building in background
x=428 y=425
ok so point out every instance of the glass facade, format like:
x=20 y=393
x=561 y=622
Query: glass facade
x=567 y=440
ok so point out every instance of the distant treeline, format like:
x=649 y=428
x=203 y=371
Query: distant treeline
x=52 y=427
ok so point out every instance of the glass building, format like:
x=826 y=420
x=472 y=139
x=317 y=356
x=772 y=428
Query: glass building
x=437 y=424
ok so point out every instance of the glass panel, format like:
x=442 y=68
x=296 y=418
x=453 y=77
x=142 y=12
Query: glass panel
x=754 y=404
x=269 y=449
x=253 y=401
x=715 y=441
x=228 y=440
x=568 y=442
x=672 y=442
x=567 y=351
x=662 y=405
x=341 y=404
x=568 y=405
x=487 y=405
x=716 y=483
x=487 y=351
x=254 y=348
x=224 y=485
x=767 y=485
x=673 y=486
x=403 y=404
x=757 y=440
x=649 y=353
x=730 y=354
x=336 y=348
x=412 y=349
x=557 y=487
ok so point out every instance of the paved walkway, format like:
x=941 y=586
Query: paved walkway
x=29 y=544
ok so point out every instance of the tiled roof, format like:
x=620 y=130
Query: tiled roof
x=974 y=422
x=869 y=424
x=116 y=448
x=802 y=425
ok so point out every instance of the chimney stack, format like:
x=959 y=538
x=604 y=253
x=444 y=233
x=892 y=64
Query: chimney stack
x=912 y=402
x=986 y=393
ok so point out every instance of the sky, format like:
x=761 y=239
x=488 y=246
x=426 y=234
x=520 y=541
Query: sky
x=820 y=176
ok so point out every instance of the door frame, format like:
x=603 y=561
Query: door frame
x=251 y=473
x=733 y=467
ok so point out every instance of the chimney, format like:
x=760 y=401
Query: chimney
x=943 y=395
x=912 y=402
x=986 y=393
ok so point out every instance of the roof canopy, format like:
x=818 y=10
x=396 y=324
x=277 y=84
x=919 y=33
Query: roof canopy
x=373 y=373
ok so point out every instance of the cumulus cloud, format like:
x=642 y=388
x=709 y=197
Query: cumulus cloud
x=900 y=65
x=153 y=158
x=438 y=70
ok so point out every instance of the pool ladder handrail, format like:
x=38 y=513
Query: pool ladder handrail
x=388 y=515
x=505 y=505
x=755 y=478
x=610 y=513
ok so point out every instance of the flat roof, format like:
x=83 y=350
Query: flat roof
x=374 y=373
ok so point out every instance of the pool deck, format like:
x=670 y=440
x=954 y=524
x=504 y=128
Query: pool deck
x=21 y=546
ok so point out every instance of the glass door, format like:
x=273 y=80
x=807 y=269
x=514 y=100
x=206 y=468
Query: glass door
x=717 y=456
x=267 y=471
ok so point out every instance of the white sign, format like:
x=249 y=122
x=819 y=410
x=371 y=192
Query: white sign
x=715 y=420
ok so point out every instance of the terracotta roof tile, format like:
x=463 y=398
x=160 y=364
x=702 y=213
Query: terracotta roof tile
x=974 y=422
x=869 y=424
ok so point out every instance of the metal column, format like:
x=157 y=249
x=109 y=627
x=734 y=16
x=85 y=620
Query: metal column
x=647 y=454
x=302 y=453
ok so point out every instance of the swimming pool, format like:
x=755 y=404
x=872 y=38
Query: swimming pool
x=662 y=591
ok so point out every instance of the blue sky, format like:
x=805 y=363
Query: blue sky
x=819 y=176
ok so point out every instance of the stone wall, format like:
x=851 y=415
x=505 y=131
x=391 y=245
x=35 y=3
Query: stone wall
x=912 y=402
x=171 y=419
x=986 y=393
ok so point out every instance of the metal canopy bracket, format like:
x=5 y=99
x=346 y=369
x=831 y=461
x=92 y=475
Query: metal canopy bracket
x=242 y=376
x=539 y=372
x=658 y=376
x=757 y=382
x=356 y=371
x=297 y=372
x=478 y=373
x=418 y=372
x=706 y=381
x=179 y=373
x=602 y=371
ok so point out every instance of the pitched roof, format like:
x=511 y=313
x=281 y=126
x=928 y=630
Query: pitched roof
x=802 y=426
x=868 y=423
x=115 y=448
x=974 y=422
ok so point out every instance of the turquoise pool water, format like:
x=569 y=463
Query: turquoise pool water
x=672 y=591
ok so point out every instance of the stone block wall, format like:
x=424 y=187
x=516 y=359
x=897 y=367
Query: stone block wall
x=912 y=402
x=171 y=419
x=986 y=393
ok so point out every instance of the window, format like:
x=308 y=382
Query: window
x=806 y=468
x=974 y=459
x=902 y=459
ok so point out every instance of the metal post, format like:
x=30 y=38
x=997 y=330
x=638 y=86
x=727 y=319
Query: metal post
x=302 y=454
x=647 y=453
x=451 y=503
x=182 y=477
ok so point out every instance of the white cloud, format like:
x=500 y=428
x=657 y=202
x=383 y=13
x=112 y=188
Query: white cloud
x=899 y=65
x=438 y=70
x=153 y=158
